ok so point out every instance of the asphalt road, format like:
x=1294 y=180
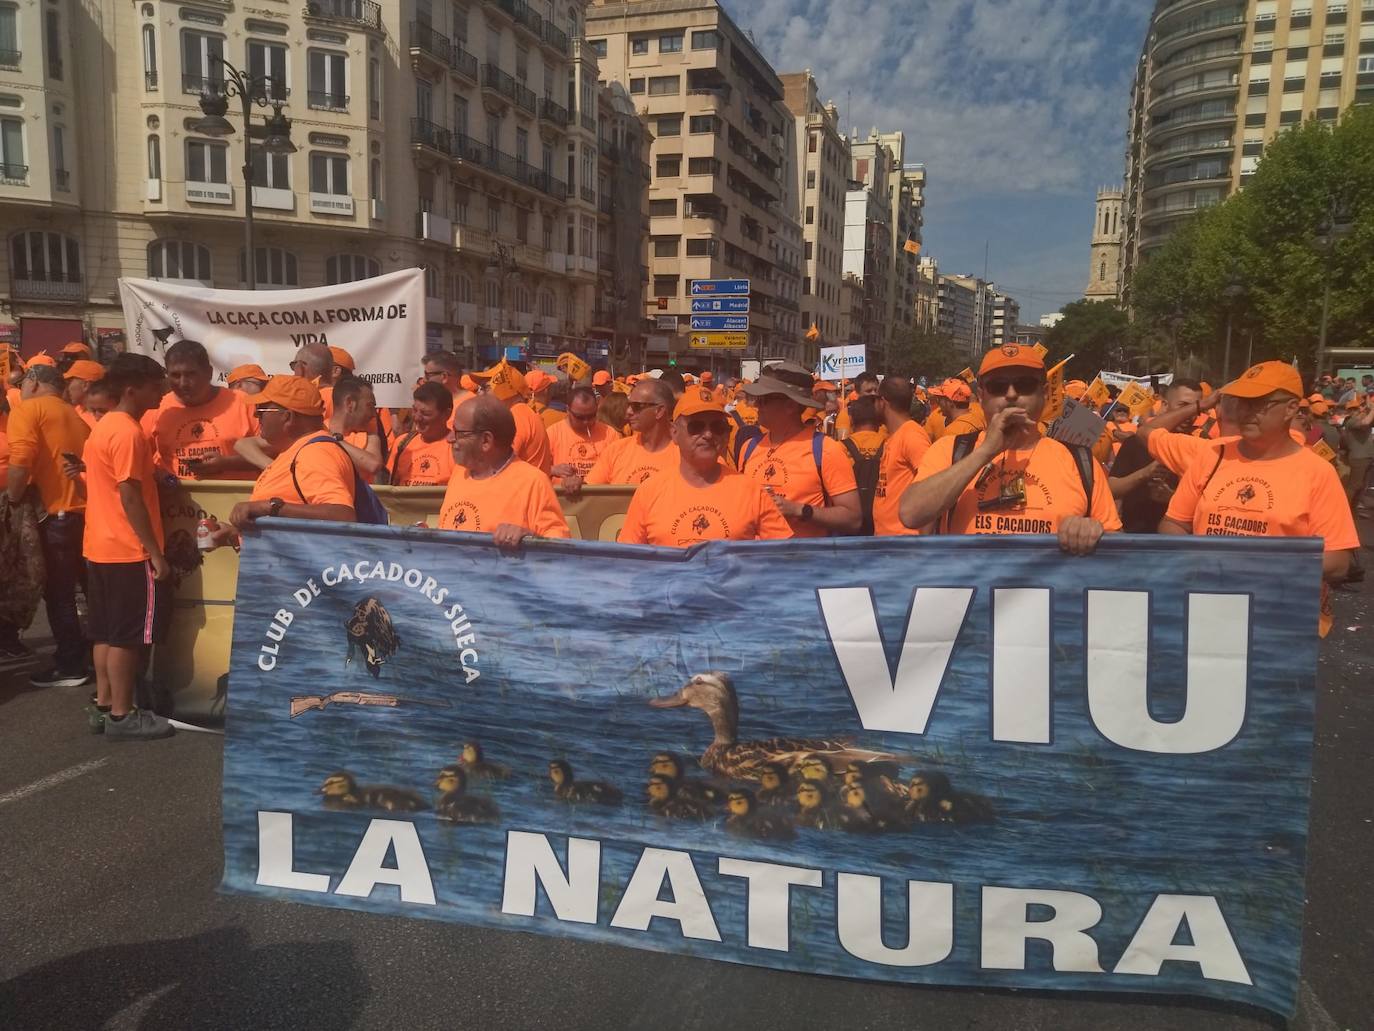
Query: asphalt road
x=110 y=918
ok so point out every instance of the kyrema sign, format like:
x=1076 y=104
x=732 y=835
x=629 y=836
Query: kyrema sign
x=838 y=363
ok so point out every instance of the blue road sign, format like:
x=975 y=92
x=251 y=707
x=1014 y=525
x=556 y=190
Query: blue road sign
x=723 y=323
x=708 y=305
x=720 y=287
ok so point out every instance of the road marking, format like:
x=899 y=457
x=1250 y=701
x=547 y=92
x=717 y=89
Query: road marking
x=52 y=780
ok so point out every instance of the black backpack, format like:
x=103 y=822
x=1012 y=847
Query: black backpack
x=866 y=470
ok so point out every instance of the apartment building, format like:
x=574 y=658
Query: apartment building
x=927 y=303
x=906 y=198
x=1216 y=81
x=821 y=170
x=966 y=306
x=464 y=138
x=719 y=164
x=868 y=263
x=1006 y=316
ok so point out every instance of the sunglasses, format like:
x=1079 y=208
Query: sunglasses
x=261 y=410
x=639 y=406
x=997 y=385
x=716 y=427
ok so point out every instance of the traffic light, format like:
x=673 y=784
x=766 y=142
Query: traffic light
x=672 y=361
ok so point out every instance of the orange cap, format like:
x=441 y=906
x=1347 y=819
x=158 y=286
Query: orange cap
x=1263 y=379
x=537 y=379
x=953 y=389
x=694 y=402
x=823 y=387
x=1075 y=388
x=1319 y=407
x=239 y=373
x=467 y=383
x=293 y=393
x=85 y=369
x=601 y=377
x=76 y=347
x=506 y=381
x=1315 y=397
x=342 y=357
x=1355 y=403
x=42 y=358
x=1010 y=356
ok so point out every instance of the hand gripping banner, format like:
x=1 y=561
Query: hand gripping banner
x=938 y=761
x=379 y=321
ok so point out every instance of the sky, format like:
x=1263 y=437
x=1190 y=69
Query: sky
x=1018 y=108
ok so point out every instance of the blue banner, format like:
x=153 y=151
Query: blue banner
x=962 y=761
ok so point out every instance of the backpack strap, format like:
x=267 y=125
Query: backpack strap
x=1221 y=454
x=750 y=446
x=817 y=443
x=294 y=458
x=1087 y=470
x=964 y=444
x=400 y=449
x=853 y=450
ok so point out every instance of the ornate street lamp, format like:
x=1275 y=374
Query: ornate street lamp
x=274 y=136
x=502 y=262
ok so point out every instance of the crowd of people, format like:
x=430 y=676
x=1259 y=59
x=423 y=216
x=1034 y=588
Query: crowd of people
x=84 y=447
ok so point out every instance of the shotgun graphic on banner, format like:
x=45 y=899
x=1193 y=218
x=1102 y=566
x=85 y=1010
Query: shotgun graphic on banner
x=956 y=760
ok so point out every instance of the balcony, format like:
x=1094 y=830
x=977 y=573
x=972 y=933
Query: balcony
x=331 y=204
x=462 y=63
x=273 y=198
x=604 y=204
x=586 y=264
x=588 y=122
x=47 y=290
x=424 y=133
x=321 y=100
x=605 y=261
x=715 y=214
x=525 y=99
x=14 y=175
x=588 y=195
x=209 y=193
x=527 y=19
x=436 y=228
x=465 y=148
x=554 y=38
x=149 y=79
x=498 y=82
x=10 y=58
x=425 y=42
x=198 y=84
x=553 y=113
x=361 y=13
x=556 y=262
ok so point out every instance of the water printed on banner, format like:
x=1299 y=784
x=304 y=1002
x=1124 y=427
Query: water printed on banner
x=379 y=321
x=949 y=760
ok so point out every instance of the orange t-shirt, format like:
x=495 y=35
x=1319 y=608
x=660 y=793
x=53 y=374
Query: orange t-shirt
x=1177 y=451
x=88 y=417
x=935 y=423
x=181 y=434
x=4 y=444
x=972 y=421
x=1299 y=495
x=1053 y=490
x=116 y=452
x=868 y=441
x=421 y=463
x=551 y=417
x=40 y=430
x=531 y=440
x=572 y=448
x=520 y=494
x=324 y=471
x=790 y=469
x=627 y=461
x=668 y=511
x=901 y=458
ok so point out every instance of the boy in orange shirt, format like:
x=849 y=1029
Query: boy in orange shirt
x=128 y=576
x=493 y=490
x=701 y=500
x=424 y=456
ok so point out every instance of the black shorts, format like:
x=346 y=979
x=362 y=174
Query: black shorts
x=128 y=607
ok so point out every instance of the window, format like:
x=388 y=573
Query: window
x=522 y=146
x=374 y=179
x=149 y=49
x=271 y=170
x=546 y=304
x=273 y=266
x=206 y=162
x=460 y=33
x=597 y=47
x=665 y=286
x=702 y=166
x=202 y=62
x=636 y=85
x=374 y=89
x=493 y=294
x=638 y=46
x=665 y=246
x=460 y=206
x=179 y=259
x=522 y=225
x=329 y=173
x=523 y=300
x=548 y=236
x=268 y=60
x=45 y=257
x=670 y=125
x=668 y=167
x=13 y=167
x=59 y=156
x=810 y=215
x=522 y=63
x=706 y=39
x=808 y=250
x=54 y=25
x=460 y=115
x=350 y=268
x=701 y=247
x=493 y=216
x=588 y=237
x=663 y=208
x=424 y=100
x=1364 y=64
x=328 y=83
x=701 y=124
x=811 y=143
x=154 y=157
x=462 y=289
x=664 y=85
x=670 y=44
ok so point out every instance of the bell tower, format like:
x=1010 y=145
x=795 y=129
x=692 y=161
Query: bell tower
x=1104 y=282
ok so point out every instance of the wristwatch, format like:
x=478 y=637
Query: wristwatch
x=274 y=506
x=806 y=513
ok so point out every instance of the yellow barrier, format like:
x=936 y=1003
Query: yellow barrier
x=190 y=670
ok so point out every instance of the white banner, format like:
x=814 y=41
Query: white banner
x=1120 y=379
x=838 y=363
x=380 y=322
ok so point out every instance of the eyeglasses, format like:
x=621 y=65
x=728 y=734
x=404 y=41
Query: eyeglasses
x=639 y=406
x=1258 y=405
x=467 y=433
x=261 y=410
x=997 y=385
x=299 y=363
x=715 y=427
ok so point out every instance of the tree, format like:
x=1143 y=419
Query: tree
x=924 y=352
x=1097 y=333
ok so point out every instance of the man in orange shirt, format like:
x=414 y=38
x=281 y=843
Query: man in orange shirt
x=1010 y=478
x=808 y=474
x=354 y=424
x=196 y=425
x=309 y=478
x=446 y=368
x=41 y=431
x=75 y=351
x=493 y=490
x=907 y=443
x=247 y=379
x=601 y=383
x=128 y=576
x=701 y=499
x=506 y=383
x=649 y=449
x=79 y=376
x=578 y=441
x=1265 y=484
x=424 y=456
